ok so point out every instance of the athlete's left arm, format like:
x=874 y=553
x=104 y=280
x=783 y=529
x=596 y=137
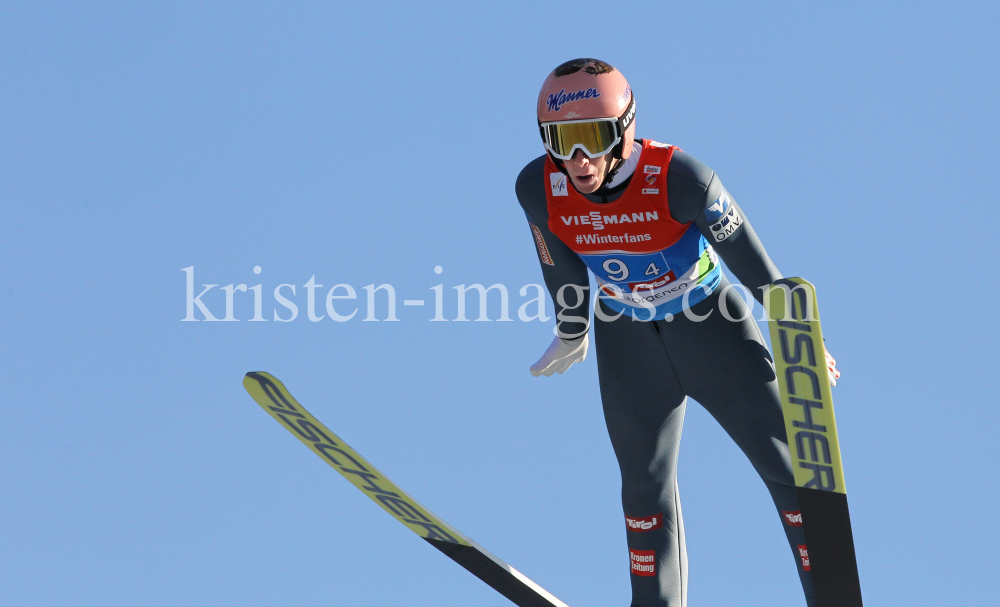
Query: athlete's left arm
x=696 y=194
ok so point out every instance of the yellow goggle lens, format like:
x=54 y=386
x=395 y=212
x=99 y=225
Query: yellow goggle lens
x=594 y=137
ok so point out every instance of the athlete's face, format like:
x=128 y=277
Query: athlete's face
x=587 y=173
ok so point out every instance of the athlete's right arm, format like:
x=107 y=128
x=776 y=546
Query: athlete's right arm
x=564 y=272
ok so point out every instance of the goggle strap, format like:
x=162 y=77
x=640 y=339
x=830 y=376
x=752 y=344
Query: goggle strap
x=624 y=121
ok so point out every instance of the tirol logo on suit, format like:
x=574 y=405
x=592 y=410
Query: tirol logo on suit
x=645 y=523
x=793 y=518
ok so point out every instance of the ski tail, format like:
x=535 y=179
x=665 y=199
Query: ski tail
x=807 y=404
x=274 y=398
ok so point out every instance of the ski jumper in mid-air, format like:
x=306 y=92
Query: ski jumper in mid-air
x=651 y=222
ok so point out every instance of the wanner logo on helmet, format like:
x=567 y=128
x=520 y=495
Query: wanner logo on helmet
x=556 y=100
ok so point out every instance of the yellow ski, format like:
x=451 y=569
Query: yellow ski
x=807 y=404
x=275 y=399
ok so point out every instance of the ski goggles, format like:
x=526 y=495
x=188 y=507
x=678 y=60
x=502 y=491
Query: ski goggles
x=595 y=137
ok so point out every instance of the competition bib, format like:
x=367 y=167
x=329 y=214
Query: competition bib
x=647 y=264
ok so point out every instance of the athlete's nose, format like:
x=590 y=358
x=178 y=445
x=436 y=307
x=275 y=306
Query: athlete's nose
x=580 y=159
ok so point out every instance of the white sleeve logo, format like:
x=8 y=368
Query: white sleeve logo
x=726 y=226
x=718 y=208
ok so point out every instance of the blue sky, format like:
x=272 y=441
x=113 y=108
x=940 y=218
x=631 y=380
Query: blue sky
x=368 y=144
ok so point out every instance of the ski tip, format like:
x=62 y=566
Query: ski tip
x=793 y=281
x=257 y=377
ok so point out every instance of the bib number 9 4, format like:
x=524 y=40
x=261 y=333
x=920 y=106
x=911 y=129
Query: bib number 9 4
x=618 y=271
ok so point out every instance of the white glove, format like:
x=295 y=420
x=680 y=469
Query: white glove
x=831 y=368
x=560 y=356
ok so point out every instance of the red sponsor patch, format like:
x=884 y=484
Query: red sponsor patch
x=643 y=562
x=650 y=178
x=792 y=517
x=646 y=523
x=804 y=555
x=656 y=283
x=543 y=251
